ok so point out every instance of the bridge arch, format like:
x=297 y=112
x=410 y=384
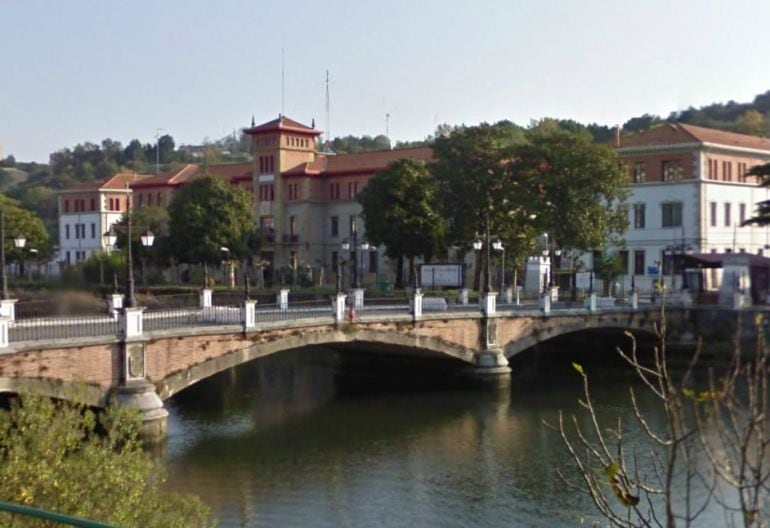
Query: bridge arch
x=409 y=344
x=551 y=329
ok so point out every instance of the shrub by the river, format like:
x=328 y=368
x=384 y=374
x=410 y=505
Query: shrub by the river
x=63 y=457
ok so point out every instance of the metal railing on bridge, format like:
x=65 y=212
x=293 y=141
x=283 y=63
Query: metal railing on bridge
x=36 y=322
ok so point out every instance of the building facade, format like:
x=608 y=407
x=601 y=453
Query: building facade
x=690 y=193
x=305 y=201
x=87 y=211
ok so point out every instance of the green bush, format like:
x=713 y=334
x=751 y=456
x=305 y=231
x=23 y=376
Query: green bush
x=63 y=457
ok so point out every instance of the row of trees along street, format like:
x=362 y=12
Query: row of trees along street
x=512 y=182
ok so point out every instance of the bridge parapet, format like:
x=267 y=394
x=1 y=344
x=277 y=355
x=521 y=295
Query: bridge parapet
x=170 y=349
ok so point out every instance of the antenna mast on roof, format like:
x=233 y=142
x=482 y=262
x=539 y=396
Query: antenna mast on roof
x=283 y=84
x=328 y=129
x=387 y=127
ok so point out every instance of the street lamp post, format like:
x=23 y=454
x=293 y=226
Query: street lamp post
x=4 y=277
x=364 y=250
x=497 y=245
x=147 y=239
x=110 y=239
x=354 y=252
x=487 y=281
x=18 y=242
x=477 y=245
x=344 y=246
x=226 y=270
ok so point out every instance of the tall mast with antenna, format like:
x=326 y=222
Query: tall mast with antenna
x=328 y=126
x=283 y=84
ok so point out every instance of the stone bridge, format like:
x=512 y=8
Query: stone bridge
x=143 y=367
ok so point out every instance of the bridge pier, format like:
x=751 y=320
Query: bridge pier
x=135 y=391
x=491 y=364
x=141 y=396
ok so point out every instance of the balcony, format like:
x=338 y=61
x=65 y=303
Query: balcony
x=291 y=239
x=268 y=235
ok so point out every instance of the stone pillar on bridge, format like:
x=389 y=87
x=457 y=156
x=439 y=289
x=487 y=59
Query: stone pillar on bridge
x=545 y=303
x=635 y=300
x=5 y=322
x=114 y=304
x=358 y=298
x=205 y=298
x=8 y=308
x=249 y=315
x=518 y=295
x=592 y=303
x=462 y=298
x=488 y=303
x=130 y=323
x=415 y=304
x=508 y=295
x=554 y=293
x=491 y=363
x=338 y=307
x=282 y=299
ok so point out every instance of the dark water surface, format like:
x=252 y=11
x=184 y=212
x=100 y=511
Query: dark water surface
x=289 y=441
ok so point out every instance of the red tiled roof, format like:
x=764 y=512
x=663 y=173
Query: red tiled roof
x=118 y=181
x=190 y=171
x=231 y=171
x=360 y=162
x=169 y=178
x=282 y=123
x=680 y=133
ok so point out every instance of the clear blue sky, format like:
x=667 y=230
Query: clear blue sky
x=76 y=71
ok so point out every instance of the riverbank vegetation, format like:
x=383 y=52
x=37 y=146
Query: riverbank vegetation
x=65 y=458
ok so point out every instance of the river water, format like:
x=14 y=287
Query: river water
x=302 y=439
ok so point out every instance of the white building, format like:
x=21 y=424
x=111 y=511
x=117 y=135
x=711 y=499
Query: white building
x=87 y=211
x=690 y=194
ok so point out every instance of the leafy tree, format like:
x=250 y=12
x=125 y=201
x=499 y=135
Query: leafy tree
x=133 y=156
x=400 y=207
x=353 y=144
x=63 y=457
x=42 y=201
x=153 y=219
x=480 y=191
x=166 y=148
x=642 y=123
x=208 y=214
x=751 y=122
x=579 y=187
x=21 y=221
x=472 y=170
x=106 y=169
